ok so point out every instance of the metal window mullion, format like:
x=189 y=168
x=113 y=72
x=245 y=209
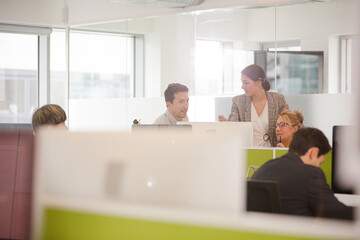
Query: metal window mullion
x=44 y=70
x=343 y=65
x=67 y=75
x=348 y=65
x=139 y=66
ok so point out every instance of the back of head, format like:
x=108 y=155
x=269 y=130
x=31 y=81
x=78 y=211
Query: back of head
x=256 y=73
x=50 y=114
x=172 y=89
x=306 y=138
x=294 y=118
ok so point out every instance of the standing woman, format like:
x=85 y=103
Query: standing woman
x=258 y=106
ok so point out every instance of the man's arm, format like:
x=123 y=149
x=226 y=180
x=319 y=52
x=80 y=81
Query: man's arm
x=321 y=198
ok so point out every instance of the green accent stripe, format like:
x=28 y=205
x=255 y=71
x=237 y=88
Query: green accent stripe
x=258 y=157
x=326 y=167
x=71 y=225
x=280 y=153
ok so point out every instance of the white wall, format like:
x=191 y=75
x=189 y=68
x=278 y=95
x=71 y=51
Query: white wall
x=39 y=12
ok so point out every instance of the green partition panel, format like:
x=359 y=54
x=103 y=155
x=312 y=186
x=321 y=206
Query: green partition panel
x=280 y=153
x=326 y=167
x=71 y=225
x=256 y=158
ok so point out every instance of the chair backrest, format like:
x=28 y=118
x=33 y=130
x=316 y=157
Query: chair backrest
x=263 y=196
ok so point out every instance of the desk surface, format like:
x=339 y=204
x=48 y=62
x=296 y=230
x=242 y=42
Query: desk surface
x=349 y=199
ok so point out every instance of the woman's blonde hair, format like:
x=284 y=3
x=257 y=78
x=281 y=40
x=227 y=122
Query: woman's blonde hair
x=294 y=118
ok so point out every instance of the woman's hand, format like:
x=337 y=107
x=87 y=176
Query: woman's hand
x=280 y=145
x=222 y=118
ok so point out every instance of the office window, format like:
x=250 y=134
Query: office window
x=296 y=72
x=101 y=65
x=218 y=66
x=209 y=67
x=18 y=77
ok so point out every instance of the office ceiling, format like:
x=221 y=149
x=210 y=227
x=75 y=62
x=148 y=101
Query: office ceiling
x=77 y=12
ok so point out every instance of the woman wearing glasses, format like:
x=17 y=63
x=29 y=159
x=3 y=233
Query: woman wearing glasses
x=258 y=106
x=287 y=124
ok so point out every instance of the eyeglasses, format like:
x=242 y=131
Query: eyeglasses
x=281 y=124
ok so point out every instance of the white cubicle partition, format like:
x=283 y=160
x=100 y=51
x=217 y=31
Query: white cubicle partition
x=118 y=114
x=116 y=180
x=321 y=111
x=112 y=113
x=183 y=172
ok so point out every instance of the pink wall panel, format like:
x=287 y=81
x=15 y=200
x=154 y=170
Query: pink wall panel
x=24 y=163
x=16 y=165
x=20 y=224
x=7 y=187
x=9 y=138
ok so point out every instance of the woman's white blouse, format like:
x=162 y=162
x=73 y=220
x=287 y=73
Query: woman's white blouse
x=261 y=126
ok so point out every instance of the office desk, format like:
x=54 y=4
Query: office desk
x=349 y=199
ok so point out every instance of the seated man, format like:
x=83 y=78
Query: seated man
x=177 y=103
x=302 y=184
x=50 y=114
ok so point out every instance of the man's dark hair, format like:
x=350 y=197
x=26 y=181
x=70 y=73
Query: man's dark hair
x=306 y=138
x=50 y=114
x=172 y=89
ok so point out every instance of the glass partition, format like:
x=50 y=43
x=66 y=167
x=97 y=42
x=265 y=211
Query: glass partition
x=100 y=65
x=226 y=42
x=318 y=27
x=300 y=45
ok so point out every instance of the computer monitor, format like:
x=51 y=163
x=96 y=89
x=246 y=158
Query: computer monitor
x=337 y=143
x=243 y=129
x=183 y=172
x=160 y=128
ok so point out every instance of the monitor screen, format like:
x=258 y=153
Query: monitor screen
x=160 y=128
x=243 y=129
x=338 y=139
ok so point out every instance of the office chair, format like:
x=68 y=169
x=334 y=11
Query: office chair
x=263 y=196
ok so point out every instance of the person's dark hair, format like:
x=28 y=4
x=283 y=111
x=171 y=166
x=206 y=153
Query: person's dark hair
x=306 y=138
x=172 y=89
x=256 y=73
x=50 y=114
